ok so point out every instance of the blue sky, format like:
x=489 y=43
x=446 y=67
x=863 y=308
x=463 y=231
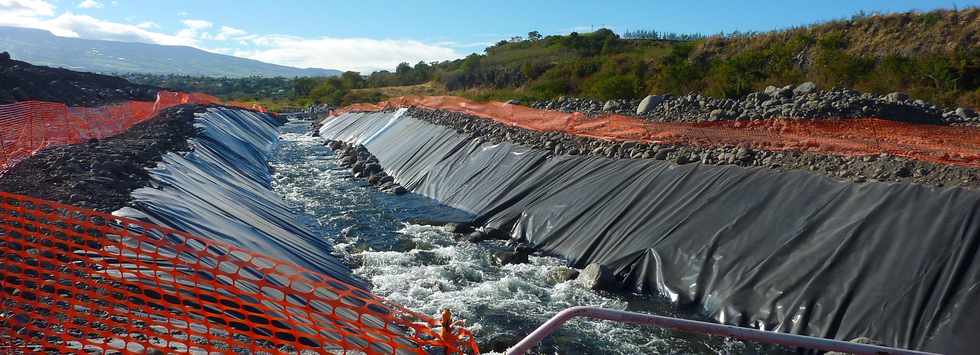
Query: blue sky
x=367 y=35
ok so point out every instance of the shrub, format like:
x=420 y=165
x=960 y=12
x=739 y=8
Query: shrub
x=615 y=87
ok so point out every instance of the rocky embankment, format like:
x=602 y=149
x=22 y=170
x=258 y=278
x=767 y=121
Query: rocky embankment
x=22 y=81
x=365 y=166
x=885 y=168
x=101 y=174
x=803 y=101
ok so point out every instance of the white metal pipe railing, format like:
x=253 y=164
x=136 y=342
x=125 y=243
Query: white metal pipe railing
x=690 y=326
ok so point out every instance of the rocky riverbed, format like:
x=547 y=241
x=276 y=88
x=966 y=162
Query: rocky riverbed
x=804 y=101
x=884 y=168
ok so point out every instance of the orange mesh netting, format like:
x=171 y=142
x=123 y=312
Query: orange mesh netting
x=27 y=127
x=80 y=281
x=848 y=137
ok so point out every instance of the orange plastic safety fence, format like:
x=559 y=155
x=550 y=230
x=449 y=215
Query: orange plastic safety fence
x=80 y=281
x=848 y=137
x=27 y=127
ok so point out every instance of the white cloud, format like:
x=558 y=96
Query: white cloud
x=25 y=8
x=24 y=13
x=72 y=25
x=38 y=14
x=359 y=54
x=195 y=30
x=148 y=25
x=227 y=33
x=90 y=4
x=197 y=24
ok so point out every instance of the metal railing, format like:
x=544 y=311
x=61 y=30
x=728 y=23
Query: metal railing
x=690 y=326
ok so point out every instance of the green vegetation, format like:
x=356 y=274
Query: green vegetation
x=847 y=53
x=932 y=56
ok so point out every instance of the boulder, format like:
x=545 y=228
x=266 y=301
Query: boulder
x=595 y=277
x=770 y=90
x=372 y=168
x=358 y=167
x=562 y=274
x=896 y=97
x=716 y=115
x=477 y=236
x=805 y=88
x=459 y=228
x=610 y=106
x=399 y=190
x=786 y=91
x=964 y=112
x=4 y=57
x=649 y=103
x=517 y=256
x=487 y=233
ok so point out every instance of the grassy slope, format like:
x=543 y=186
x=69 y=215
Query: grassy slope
x=932 y=55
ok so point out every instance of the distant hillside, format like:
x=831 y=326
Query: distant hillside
x=933 y=56
x=43 y=48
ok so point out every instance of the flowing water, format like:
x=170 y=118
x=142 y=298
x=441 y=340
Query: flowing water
x=425 y=269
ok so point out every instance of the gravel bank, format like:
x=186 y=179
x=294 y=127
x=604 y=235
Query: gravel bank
x=801 y=102
x=885 y=168
x=101 y=174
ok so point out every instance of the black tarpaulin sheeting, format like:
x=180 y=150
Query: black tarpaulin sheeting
x=222 y=190
x=788 y=251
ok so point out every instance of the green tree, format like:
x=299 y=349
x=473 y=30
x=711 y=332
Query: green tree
x=352 y=80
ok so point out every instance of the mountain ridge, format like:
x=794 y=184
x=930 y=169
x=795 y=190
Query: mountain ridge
x=44 y=48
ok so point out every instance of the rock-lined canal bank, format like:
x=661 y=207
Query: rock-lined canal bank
x=803 y=101
x=881 y=168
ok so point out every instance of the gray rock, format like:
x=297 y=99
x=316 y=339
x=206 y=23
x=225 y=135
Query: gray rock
x=477 y=236
x=896 y=97
x=372 y=168
x=770 y=90
x=716 y=115
x=562 y=274
x=398 y=190
x=595 y=277
x=784 y=92
x=518 y=256
x=965 y=112
x=649 y=103
x=610 y=105
x=459 y=227
x=513 y=102
x=743 y=154
x=805 y=88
